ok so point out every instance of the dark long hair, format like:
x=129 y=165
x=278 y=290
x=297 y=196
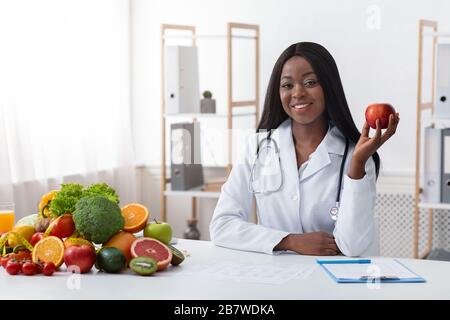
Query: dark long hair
x=327 y=72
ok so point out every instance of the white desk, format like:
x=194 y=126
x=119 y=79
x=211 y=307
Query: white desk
x=172 y=284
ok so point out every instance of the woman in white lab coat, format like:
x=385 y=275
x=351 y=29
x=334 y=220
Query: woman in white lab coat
x=298 y=203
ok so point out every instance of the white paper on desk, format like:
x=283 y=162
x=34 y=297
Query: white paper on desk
x=377 y=268
x=245 y=272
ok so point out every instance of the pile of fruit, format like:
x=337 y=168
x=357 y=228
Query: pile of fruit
x=82 y=227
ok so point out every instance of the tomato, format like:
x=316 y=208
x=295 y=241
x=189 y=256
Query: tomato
x=36 y=237
x=21 y=255
x=49 y=268
x=62 y=227
x=39 y=267
x=29 y=268
x=13 y=267
x=4 y=260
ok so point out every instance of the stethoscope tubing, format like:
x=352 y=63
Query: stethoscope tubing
x=334 y=210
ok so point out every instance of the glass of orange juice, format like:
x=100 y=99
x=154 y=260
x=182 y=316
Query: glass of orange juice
x=6 y=216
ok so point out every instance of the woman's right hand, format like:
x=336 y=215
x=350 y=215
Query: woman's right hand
x=314 y=244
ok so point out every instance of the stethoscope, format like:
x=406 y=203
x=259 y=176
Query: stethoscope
x=334 y=211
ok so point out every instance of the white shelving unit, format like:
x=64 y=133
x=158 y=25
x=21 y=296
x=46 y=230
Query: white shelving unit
x=235 y=108
x=194 y=192
x=441 y=206
x=207 y=115
x=422 y=121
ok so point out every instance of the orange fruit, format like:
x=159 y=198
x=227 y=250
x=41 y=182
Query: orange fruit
x=49 y=249
x=136 y=216
x=122 y=240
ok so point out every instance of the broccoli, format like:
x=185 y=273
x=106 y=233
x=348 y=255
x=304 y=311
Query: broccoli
x=97 y=218
x=66 y=198
x=101 y=189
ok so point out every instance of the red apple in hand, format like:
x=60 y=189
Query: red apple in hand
x=380 y=111
x=81 y=256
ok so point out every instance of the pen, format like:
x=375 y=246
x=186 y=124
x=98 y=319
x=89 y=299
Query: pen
x=343 y=261
x=381 y=278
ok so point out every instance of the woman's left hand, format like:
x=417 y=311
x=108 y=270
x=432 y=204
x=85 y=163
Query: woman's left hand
x=367 y=146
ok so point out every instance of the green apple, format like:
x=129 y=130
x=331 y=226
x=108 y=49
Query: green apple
x=159 y=230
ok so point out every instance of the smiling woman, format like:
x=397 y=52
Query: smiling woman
x=64 y=108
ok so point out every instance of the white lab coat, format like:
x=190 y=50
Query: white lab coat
x=302 y=204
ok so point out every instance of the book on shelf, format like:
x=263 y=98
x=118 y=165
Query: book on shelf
x=214 y=185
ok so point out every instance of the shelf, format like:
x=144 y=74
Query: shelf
x=234 y=108
x=207 y=36
x=441 y=206
x=208 y=115
x=194 y=192
x=439 y=123
x=436 y=34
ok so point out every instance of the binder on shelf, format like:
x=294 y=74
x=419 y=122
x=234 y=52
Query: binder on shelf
x=445 y=185
x=182 y=82
x=186 y=168
x=442 y=92
x=432 y=165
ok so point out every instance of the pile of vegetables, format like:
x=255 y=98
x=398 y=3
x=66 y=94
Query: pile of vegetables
x=95 y=210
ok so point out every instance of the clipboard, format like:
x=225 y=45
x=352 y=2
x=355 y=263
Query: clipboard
x=369 y=271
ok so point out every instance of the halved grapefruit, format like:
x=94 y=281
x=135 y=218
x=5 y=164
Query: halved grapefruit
x=148 y=247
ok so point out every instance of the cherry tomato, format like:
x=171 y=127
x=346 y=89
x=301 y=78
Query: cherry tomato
x=29 y=268
x=21 y=255
x=49 y=268
x=13 y=267
x=4 y=260
x=36 y=237
x=39 y=267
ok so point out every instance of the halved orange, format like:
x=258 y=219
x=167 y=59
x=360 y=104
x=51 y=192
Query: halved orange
x=136 y=216
x=49 y=249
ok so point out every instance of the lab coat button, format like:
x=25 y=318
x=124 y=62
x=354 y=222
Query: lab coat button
x=294 y=197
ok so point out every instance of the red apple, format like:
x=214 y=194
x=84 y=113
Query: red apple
x=62 y=227
x=380 y=111
x=81 y=256
x=36 y=237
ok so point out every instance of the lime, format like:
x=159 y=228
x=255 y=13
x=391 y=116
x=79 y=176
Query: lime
x=110 y=260
x=144 y=266
x=177 y=255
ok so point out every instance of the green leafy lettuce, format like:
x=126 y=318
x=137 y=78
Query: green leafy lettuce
x=70 y=193
x=66 y=199
x=101 y=189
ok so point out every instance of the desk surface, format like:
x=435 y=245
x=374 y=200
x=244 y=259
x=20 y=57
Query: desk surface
x=175 y=283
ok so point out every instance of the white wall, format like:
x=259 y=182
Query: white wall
x=373 y=42
x=375 y=64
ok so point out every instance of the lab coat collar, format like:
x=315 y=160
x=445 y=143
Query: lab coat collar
x=333 y=142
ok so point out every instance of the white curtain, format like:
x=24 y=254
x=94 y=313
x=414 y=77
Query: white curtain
x=64 y=98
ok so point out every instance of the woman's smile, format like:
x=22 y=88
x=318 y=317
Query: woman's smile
x=301 y=108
